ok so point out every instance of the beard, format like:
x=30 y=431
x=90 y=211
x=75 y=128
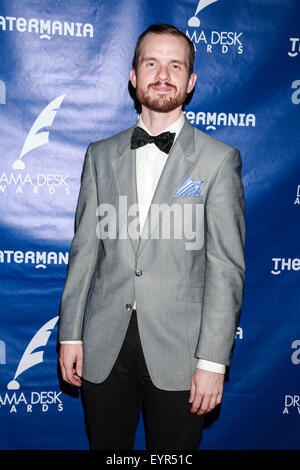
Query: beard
x=163 y=103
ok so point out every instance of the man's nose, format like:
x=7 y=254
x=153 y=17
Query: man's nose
x=163 y=72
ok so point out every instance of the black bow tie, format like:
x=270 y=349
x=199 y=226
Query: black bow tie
x=163 y=141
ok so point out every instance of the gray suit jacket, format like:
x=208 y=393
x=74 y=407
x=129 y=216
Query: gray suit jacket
x=188 y=296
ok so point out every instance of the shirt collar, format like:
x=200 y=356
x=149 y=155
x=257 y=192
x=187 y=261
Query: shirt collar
x=175 y=127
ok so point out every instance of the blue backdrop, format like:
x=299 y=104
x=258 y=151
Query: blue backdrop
x=64 y=83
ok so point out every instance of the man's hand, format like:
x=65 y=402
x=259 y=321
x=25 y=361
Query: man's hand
x=206 y=391
x=70 y=360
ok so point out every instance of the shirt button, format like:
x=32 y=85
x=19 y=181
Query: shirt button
x=128 y=306
x=138 y=272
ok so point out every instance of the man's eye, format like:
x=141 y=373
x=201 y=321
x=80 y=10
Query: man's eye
x=150 y=64
x=176 y=66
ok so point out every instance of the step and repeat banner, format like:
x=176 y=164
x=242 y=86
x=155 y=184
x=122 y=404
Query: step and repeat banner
x=64 y=71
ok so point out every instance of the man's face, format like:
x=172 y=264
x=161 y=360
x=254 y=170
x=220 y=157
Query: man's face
x=162 y=81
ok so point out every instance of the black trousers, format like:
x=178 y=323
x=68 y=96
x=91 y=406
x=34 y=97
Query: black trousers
x=112 y=408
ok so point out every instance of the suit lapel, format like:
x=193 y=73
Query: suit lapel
x=125 y=175
x=179 y=163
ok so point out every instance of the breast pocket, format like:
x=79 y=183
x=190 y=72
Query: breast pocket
x=193 y=211
x=192 y=199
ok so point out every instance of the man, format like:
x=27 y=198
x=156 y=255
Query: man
x=149 y=320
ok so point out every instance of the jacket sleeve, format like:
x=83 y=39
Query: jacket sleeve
x=225 y=264
x=82 y=258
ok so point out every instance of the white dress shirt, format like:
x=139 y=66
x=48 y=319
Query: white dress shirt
x=150 y=162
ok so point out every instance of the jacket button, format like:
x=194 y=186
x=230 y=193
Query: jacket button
x=138 y=272
x=128 y=306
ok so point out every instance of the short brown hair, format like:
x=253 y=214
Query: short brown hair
x=162 y=28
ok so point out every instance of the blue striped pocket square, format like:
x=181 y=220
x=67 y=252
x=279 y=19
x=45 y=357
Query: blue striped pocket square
x=189 y=188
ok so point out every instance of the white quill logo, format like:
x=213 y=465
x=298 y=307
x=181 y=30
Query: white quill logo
x=31 y=357
x=194 y=21
x=35 y=138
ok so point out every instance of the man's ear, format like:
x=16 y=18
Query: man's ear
x=191 y=82
x=133 y=78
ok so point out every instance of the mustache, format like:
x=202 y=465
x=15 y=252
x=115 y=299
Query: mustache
x=159 y=83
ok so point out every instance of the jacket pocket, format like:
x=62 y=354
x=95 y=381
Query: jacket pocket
x=190 y=293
